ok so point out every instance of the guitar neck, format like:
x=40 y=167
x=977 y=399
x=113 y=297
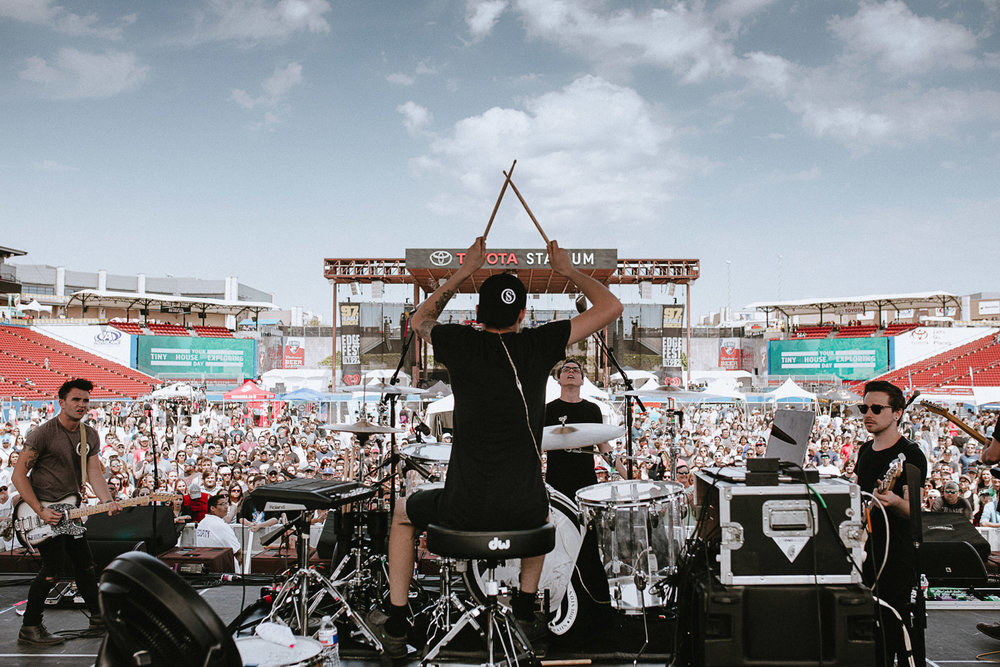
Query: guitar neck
x=87 y=510
x=937 y=409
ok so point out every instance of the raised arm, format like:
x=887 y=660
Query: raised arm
x=425 y=317
x=605 y=307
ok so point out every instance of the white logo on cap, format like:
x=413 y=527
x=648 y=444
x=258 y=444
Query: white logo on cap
x=508 y=296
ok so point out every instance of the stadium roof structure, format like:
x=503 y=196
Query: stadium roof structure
x=879 y=302
x=173 y=304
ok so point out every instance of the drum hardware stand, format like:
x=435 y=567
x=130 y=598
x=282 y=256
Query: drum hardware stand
x=298 y=582
x=581 y=307
x=445 y=611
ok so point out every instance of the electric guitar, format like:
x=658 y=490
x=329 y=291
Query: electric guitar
x=31 y=529
x=893 y=473
x=937 y=409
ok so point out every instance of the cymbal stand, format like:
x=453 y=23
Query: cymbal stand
x=294 y=593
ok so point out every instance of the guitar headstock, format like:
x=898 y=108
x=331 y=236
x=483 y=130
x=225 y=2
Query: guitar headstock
x=894 y=471
x=935 y=408
x=163 y=497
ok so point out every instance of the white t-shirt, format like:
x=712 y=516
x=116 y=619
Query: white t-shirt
x=213 y=531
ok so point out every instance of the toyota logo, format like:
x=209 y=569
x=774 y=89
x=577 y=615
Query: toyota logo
x=440 y=258
x=508 y=296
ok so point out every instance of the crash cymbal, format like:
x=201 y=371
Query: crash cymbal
x=363 y=426
x=380 y=388
x=578 y=435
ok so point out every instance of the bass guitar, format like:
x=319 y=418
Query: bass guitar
x=957 y=421
x=31 y=529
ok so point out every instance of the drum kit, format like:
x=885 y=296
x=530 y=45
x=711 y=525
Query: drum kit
x=638 y=525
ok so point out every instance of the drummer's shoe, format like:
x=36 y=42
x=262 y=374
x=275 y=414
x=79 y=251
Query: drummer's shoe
x=37 y=635
x=97 y=624
x=991 y=630
x=536 y=631
x=392 y=646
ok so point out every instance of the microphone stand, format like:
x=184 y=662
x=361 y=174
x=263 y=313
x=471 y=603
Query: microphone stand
x=581 y=307
x=394 y=457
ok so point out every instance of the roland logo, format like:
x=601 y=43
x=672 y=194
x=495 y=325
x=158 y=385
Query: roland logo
x=496 y=544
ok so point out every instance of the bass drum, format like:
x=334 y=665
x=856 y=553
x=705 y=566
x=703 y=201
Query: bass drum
x=557 y=572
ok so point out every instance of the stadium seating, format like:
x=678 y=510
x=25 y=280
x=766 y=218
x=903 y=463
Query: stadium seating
x=857 y=331
x=951 y=368
x=212 y=332
x=31 y=361
x=812 y=331
x=133 y=328
x=896 y=329
x=163 y=329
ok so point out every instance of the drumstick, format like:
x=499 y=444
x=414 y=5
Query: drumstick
x=526 y=208
x=497 y=205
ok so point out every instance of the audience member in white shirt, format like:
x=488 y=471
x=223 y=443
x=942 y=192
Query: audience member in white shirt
x=213 y=531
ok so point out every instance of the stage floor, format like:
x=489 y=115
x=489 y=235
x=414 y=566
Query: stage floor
x=952 y=638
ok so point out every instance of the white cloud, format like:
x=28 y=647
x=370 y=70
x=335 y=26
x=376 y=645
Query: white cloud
x=415 y=117
x=55 y=17
x=260 y=20
x=274 y=88
x=592 y=153
x=903 y=43
x=682 y=38
x=482 y=15
x=400 y=79
x=75 y=74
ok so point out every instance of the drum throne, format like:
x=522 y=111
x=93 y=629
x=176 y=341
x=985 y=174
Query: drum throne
x=505 y=643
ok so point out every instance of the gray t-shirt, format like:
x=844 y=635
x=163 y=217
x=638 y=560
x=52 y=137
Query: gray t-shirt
x=56 y=472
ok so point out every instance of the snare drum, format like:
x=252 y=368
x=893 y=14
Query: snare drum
x=557 y=570
x=433 y=456
x=257 y=652
x=639 y=531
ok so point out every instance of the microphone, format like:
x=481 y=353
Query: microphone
x=581 y=303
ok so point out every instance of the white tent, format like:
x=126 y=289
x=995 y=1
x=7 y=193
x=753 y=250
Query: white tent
x=726 y=388
x=317 y=379
x=382 y=375
x=635 y=376
x=791 y=392
x=176 y=390
x=37 y=307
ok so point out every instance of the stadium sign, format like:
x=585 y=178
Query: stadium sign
x=848 y=359
x=452 y=258
x=184 y=357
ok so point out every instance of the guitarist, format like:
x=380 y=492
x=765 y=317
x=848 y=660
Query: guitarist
x=52 y=456
x=991 y=455
x=882 y=409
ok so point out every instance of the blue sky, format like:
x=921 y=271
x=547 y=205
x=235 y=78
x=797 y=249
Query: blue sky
x=858 y=141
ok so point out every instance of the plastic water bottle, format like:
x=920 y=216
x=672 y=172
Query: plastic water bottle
x=327 y=637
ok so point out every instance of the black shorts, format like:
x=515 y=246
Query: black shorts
x=422 y=507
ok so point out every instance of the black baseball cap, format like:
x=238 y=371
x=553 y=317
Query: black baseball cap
x=502 y=297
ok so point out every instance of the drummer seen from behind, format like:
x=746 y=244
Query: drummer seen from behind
x=498 y=377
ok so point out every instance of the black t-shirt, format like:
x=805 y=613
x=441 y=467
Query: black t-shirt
x=901 y=569
x=494 y=477
x=56 y=472
x=568 y=472
x=996 y=431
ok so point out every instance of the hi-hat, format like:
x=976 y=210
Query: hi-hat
x=578 y=435
x=380 y=388
x=363 y=426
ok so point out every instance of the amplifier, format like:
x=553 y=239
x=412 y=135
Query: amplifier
x=199 y=560
x=786 y=533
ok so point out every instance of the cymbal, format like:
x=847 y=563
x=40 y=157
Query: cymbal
x=380 y=388
x=363 y=426
x=578 y=435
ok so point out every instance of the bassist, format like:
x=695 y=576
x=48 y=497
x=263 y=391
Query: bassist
x=52 y=454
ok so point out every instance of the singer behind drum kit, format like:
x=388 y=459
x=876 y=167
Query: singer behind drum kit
x=498 y=376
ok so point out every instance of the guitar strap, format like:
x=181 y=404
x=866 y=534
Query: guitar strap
x=84 y=450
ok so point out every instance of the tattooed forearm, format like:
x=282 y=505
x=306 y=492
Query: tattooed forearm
x=441 y=302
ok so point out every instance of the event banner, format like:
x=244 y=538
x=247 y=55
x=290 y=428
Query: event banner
x=672 y=338
x=189 y=357
x=294 y=352
x=350 y=343
x=847 y=358
x=729 y=354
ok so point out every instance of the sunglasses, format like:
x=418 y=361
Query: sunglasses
x=876 y=409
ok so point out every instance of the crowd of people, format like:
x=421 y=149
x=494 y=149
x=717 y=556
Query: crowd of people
x=221 y=452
